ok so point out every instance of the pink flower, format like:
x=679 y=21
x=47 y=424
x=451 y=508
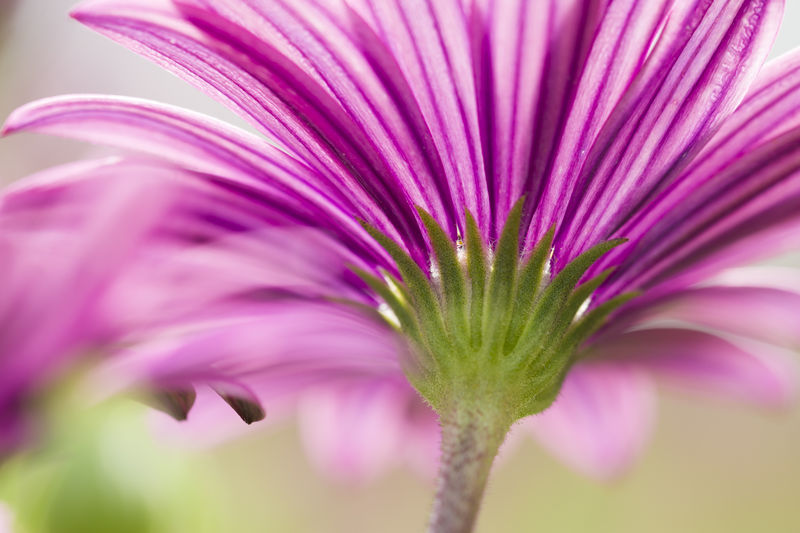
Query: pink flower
x=62 y=243
x=652 y=121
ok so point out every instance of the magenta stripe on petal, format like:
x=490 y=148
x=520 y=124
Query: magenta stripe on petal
x=511 y=57
x=322 y=43
x=618 y=50
x=267 y=97
x=428 y=39
x=202 y=144
x=701 y=67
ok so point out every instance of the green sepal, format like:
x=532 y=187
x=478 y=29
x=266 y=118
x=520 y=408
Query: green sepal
x=594 y=320
x=423 y=297
x=502 y=280
x=452 y=278
x=530 y=279
x=546 y=313
x=578 y=298
x=545 y=394
x=562 y=285
x=551 y=360
x=476 y=268
x=497 y=331
x=408 y=323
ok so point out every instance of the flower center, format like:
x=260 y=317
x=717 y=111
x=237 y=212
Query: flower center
x=491 y=329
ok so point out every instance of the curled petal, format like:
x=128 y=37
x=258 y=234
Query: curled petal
x=175 y=402
x=273 y=348
x=242 y=400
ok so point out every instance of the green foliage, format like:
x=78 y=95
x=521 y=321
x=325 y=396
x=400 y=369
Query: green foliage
x=102 y=471
x=476 y=270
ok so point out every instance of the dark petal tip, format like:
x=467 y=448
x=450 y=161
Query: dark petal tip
x=248 y=410
x=175 y=402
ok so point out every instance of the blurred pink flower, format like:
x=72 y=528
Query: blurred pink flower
x=653 y=121
x=62 y=243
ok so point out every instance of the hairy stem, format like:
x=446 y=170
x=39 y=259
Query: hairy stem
x=470 y=440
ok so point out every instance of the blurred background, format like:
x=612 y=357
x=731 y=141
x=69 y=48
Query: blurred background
x=711 y=466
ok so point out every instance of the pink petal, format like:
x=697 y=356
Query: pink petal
x=747 y=211
x=616 y=52
x=170 y=283
x=703 y=62
x=205 y=145
x=771 y=316
x=600 y=422
x=769 y=111
x=707 y=363
x=767 y=116
x=65 y=249
x=429 y=40
x=275 y=348
x=339 y=120
x=354 y=433
x=516 y=41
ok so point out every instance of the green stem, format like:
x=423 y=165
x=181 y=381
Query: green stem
x=470 y=440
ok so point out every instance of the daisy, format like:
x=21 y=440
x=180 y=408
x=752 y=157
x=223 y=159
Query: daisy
x=486 y=209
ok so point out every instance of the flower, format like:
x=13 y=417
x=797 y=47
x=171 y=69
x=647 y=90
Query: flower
x=530 y=193
x=61 y=244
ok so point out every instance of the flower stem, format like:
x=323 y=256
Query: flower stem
x=470 y=440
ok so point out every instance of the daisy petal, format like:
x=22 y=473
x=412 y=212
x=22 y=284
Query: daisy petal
x=177 y=281
x=694 y=359
x=756 y=195
x=354 y=433
x=769 y=112
x=274 y=348
x=624 y=36
x=62 y=251
x=289 y=106
x=202 y=144
x=514 y=47
x=427 y=38
x=600 y=421
x=701 y=66
x=771 y=313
